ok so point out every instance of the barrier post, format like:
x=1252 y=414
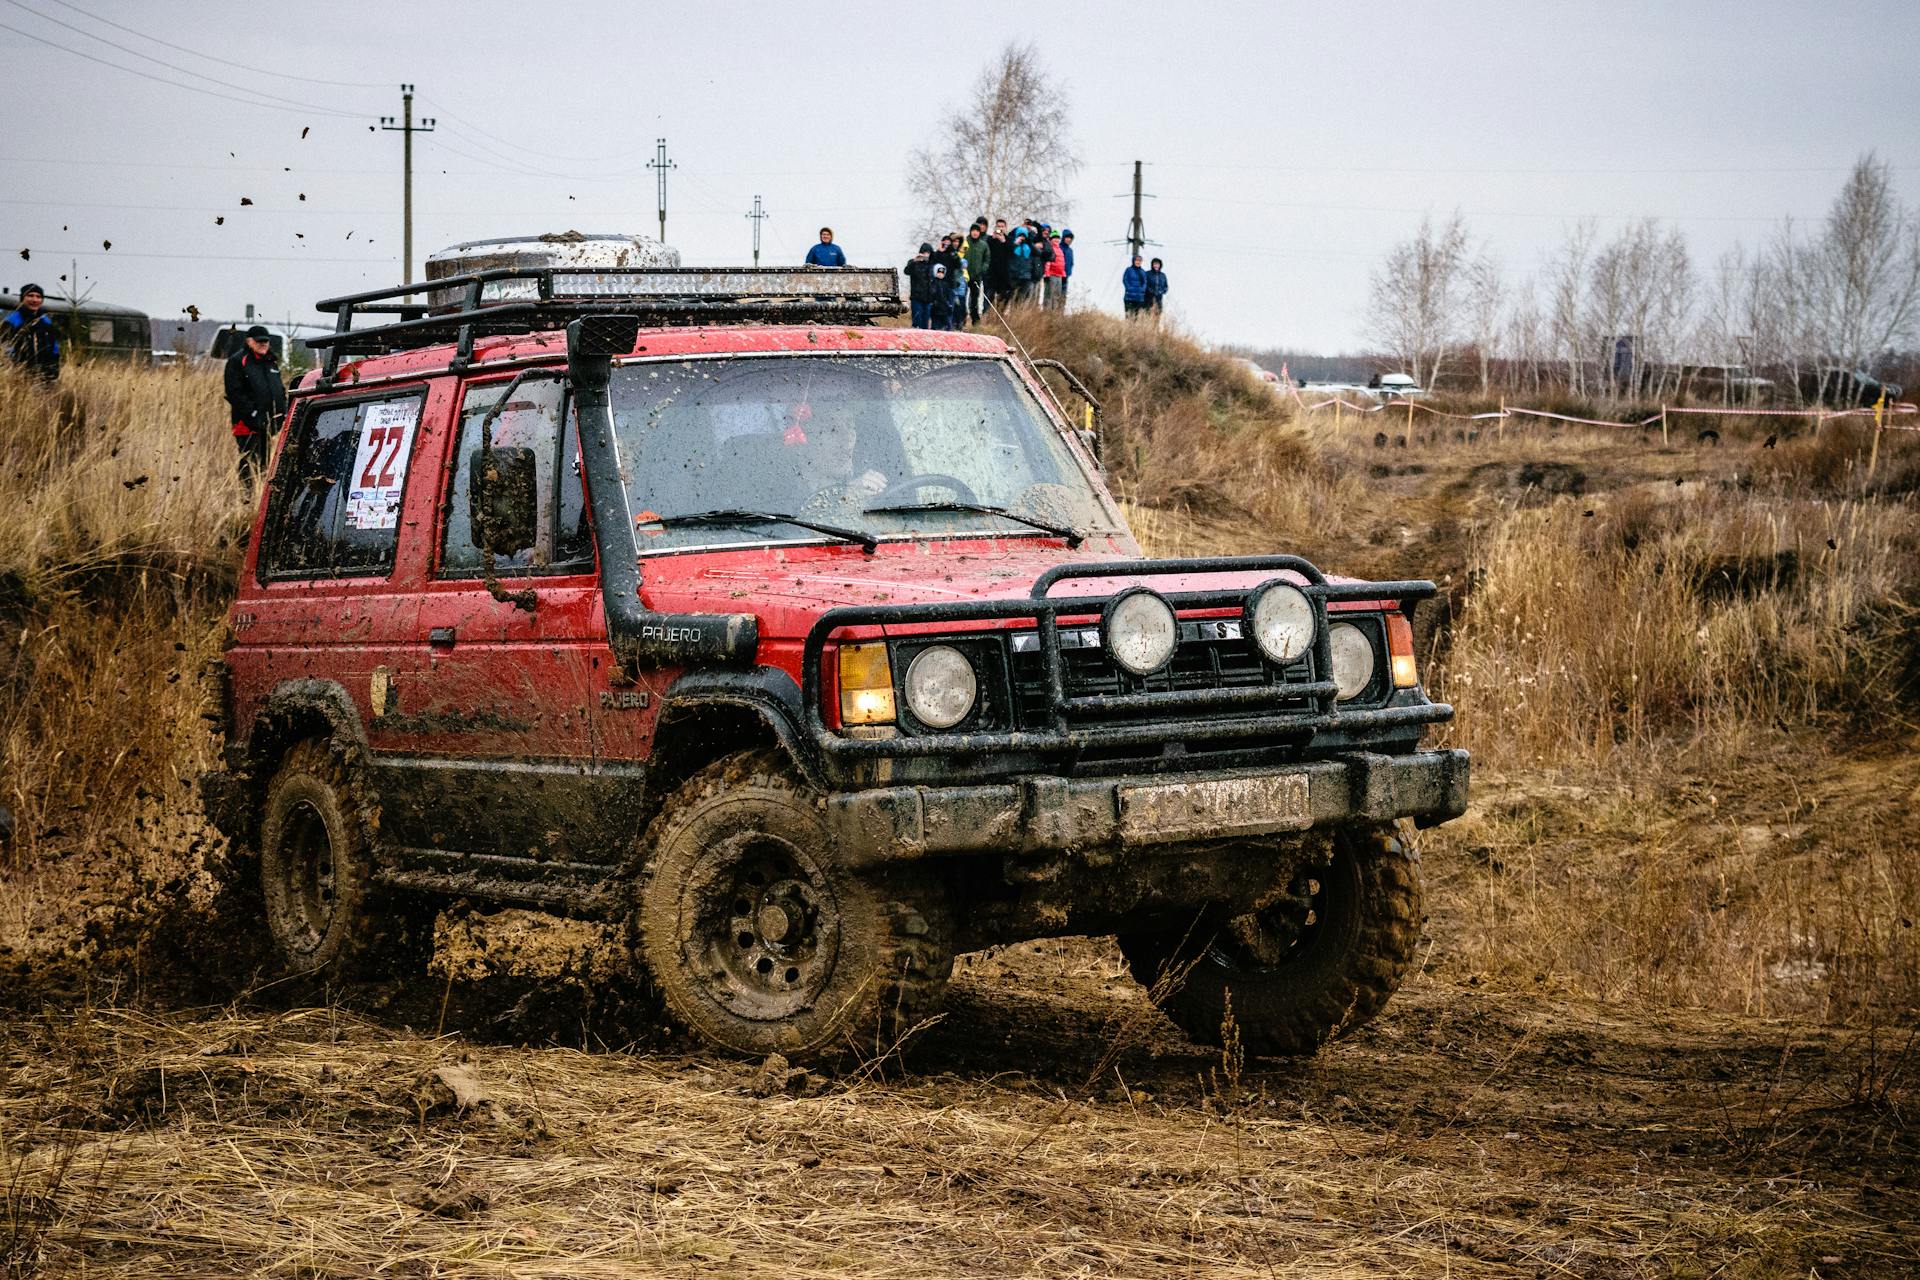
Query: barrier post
x=1502 y=419
x=1879 y=421
x=1663 y=426
x=1409 y=420
x=1336 y=415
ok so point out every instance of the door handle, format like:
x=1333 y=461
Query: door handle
x=441 y=636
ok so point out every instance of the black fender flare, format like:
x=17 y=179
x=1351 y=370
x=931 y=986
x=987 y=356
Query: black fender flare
x=766 y=692
x=232 y=795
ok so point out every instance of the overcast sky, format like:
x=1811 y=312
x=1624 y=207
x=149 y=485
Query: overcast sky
x=1287 y=146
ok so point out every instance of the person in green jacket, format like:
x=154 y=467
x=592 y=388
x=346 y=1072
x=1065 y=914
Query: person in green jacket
x=977 y=254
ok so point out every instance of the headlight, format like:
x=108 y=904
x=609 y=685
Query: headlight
x=1353 y=659
x=1139 y=631
x=1280 y=619
x=941 y=687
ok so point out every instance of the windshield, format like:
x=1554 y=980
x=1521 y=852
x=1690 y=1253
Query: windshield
x=886 y=445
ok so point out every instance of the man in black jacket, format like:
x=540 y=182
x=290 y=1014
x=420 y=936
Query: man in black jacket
x=257 y=399
x=920 y=287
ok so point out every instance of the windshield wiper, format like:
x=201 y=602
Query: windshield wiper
x=736 y=515
x=1073 y=536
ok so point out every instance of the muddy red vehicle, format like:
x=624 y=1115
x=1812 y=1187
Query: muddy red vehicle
x=813 y=650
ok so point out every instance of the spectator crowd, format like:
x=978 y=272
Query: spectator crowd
x=952 y=284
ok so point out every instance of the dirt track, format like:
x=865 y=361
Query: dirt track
x=1052 y=1124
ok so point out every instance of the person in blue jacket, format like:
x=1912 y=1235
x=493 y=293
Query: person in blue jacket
x=1156 y=287
x=29 y=335
x=1066 y=254
x=1133 y=288
x=826 y=253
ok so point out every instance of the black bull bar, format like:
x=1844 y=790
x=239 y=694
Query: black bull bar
x=1076 y=720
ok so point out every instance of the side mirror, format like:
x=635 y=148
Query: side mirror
x=1091 y=439
x=503 y=500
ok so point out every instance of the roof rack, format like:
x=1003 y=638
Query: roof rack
x=517 y=300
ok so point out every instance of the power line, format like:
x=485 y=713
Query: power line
x=145 y=75
x=197 y=257
x=238 y=66
x=171 y=66
x=542 y=152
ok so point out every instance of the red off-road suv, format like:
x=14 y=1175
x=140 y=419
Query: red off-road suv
x=816 y=652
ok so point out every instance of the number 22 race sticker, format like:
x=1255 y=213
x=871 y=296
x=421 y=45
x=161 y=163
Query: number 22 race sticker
x=380 y=464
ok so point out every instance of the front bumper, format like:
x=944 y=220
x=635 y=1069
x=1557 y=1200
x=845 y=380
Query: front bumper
x=1038 y=814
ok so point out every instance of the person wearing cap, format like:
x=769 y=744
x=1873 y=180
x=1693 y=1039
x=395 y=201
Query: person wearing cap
x=1133 y=288
x=1054 y=274
x=920 y=286
x=949 y=270
x=256 y=398
x=31 y=340
x=1066 y=260
x=979 y=253
x=826 y=253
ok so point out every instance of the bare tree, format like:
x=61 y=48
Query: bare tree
x=1566 y=286
x=1006 y=152
x=1414 y=312
x=1486 y=297
x=1866 y=268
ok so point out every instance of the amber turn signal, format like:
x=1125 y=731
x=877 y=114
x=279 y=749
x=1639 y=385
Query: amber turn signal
x=866 y=684
x=1400 y=651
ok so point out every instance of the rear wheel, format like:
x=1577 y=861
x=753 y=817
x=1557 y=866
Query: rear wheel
x=761 y=942
x=324 y=913
x=1315 y=964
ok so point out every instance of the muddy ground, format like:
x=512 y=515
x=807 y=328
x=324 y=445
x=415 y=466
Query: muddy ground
x=1051 y=1123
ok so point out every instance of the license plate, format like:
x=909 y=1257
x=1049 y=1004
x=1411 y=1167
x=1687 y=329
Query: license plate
x=1215 y=806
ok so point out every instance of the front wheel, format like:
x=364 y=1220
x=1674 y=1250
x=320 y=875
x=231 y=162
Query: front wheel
x=1314 y=965
x=324 y=913
x=761 y=942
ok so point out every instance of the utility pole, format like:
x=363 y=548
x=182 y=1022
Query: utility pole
x=660 y=164
x=758 y=215
x=406 y=129
x=1137 y=229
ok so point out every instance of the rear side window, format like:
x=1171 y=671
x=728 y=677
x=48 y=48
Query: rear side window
x=535 y=419
x=336 y=503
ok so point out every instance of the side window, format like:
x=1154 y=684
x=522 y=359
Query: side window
x=337 y=495
x=531 y=421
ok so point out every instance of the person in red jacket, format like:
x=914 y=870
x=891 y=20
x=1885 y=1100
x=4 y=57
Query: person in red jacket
x=1055 y=278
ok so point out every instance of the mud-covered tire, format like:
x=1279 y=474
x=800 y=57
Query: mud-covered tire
x=1337 y=975
x=325 y=916
x=760 y=941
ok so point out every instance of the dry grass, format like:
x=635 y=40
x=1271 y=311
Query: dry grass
x=317 y=1144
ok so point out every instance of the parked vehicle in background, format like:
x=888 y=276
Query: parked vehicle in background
x=1845 y=388
x=815 y=652
x=1395 y=386
x=99 y=330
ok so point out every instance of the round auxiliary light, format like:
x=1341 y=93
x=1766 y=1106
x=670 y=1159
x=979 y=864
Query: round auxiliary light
x=941 y=687
x=1353 y=659
x=1139 y=631
x=1279 y=620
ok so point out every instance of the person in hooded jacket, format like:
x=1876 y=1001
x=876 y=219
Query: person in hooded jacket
x=1066 y=258
x=1025 y=269
x=1133 y=288
x=999 y=267
x=1156 y=287
x=920 y=286
x=947 y=270
x=31 y=340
